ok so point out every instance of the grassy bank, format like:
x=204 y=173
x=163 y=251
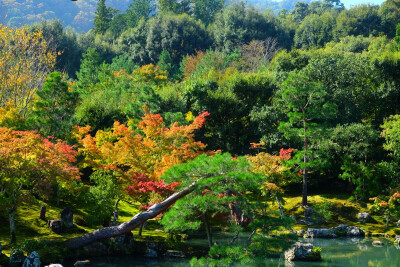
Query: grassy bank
x=340 y=209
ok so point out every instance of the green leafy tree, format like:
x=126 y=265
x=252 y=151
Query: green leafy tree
x=360 y=20
x=180 y=35
x=389 y=13
x=166 y=64
x=238 y=25
x=55 y=107
x=174 y=6
x=64 y=41
x=206 y=10
x=397 y=37
x=307 y=109
x=351 y=148
x=315 y=30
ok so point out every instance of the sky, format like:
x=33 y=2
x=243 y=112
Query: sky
x=350 y=3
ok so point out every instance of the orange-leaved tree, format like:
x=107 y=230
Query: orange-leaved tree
x=148 y=149
x=273 y=168
x=30 y=164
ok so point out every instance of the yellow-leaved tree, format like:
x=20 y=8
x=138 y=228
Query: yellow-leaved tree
x=25 y=60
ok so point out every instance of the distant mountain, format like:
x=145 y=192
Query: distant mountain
x=79 y=14
x=275 y=6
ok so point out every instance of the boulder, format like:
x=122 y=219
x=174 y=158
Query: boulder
x=4 y=260
x=82 y=263
x=123 y=243
x=377 y=243
x=353 y=231
x=56 y=226
x=301 y=233
x=54 y=265
x=67 y=216
x=175 y=254
x=398 y=223
x=151 y=253
x=17 y=258
x=32 y=260
x=303 y=252
x=363 y=217
x=96 y=249
x=321 y=232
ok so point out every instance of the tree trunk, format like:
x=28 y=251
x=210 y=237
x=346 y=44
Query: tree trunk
x=208 y=230
x=304 y=202
x=11 y=217
x=387 y=213
x=280 y=207
x=141 y=229
x=126 y=227
x=58 y=195
x=115 y=213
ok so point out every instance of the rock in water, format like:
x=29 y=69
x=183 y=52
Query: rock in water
x=56 y=226
x=54 y=265
x=151 y=253
x=353 y=231
x=303 y=252
x=82 y=263
x=17 y=258
x=32 y=260
x=363 y=217
x=320 y=232
x=377 y=243
x=68 y=217
x=175 y=254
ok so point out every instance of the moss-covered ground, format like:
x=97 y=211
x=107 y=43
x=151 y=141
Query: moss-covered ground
x=29 y=226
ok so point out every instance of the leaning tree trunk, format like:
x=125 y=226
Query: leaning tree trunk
x=125 y=227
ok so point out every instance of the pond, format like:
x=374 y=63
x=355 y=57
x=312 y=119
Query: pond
x=339 y=252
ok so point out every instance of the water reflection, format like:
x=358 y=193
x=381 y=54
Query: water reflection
x=340 y=252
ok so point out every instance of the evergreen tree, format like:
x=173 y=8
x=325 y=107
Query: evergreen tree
x=307 y=108
x=55 y=107
x=90 y=65
x=103 y=17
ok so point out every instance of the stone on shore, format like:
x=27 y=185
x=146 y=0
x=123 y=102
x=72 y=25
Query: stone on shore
x=32 y=260
x=363 y=217
x=303 y=252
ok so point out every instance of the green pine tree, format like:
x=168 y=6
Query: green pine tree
x=103 y=17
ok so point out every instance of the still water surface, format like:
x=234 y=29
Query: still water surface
x=335 y=253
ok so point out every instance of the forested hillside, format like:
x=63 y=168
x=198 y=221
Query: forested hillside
x=232 y=105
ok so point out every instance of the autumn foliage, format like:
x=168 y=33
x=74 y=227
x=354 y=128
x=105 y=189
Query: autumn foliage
x=27 y=159
x=25 y=60
x=271 y=165
x=150 y=149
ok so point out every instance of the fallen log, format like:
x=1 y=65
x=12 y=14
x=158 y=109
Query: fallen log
x=125 y=227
